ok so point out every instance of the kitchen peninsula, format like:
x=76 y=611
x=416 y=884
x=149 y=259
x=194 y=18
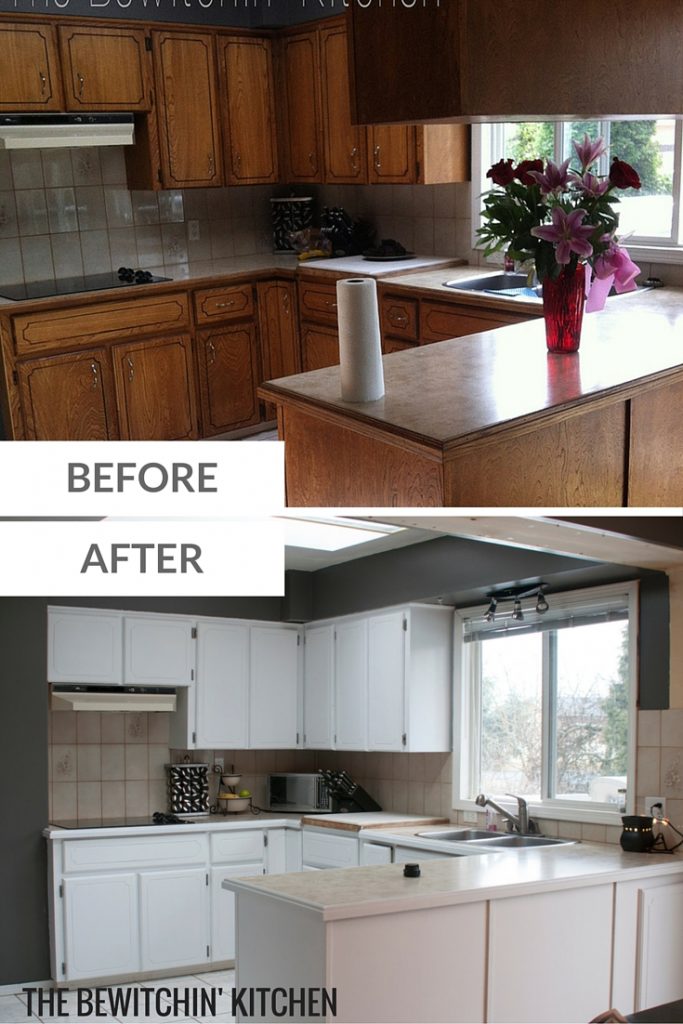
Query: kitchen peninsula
x=492 y=419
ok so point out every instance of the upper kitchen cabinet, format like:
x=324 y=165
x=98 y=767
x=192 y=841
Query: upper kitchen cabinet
x=30 y=77
x=222 y=685
x=301 y=121
x=84 y=646
x=247 y=92
x=439 y=62
x=159 y=650
x=189 y=134
x=345 y=143
x=419 y=154
x=105 y=68
x=274 y=697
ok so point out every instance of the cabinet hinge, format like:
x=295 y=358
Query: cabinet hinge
x=265 y=838
x=63 y=966
x=208 y=952
x=297 y=739
x=159 y=177
x=304 y=739
x=263 y=871
x=15 y=376
x=404 y=739
x=207 y=877
x=194 y=632
x=405 y=625
x=194 y=737
x=148 y=44
x=192 y=673
x=61 y=891
x=335 y=737
x=298 y=640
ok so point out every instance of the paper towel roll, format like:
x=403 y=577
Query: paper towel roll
x=360 y=346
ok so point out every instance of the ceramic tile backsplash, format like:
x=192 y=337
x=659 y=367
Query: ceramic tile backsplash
x=63 y=212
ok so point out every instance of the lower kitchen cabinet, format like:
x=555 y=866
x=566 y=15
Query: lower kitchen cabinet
x=68 y=397
x=328 y=849
x=279 y=331
x=228 y=377
x=223 y=908
x=101 y=926
x=155 y=389
x=319 y=347
x=174 y=918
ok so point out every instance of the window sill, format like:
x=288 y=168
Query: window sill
x=552 y=812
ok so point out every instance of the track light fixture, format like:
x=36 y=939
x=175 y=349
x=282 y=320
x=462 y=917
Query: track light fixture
x=516 y=594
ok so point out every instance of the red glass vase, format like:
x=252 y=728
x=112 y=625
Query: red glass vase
x=563 y=302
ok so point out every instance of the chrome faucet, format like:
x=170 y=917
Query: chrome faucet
x=520 y=823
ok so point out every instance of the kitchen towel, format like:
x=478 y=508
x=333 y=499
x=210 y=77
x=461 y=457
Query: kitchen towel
x=360 y=347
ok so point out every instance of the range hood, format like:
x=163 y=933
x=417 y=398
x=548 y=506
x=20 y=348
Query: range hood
x=54 y=131
x=111 y=698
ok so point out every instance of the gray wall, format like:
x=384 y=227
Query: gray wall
x=240 y=13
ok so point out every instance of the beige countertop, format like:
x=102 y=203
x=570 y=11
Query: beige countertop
x=370 y=819
x=432 y=284
x=356 y=265
x=446 y=394
x=382 y=889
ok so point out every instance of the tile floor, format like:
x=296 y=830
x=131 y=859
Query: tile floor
x=13 y=1008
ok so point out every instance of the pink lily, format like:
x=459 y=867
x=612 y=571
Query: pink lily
x=567 y=233
x=589 y=151
x=613 y=267
x=555 y=178
x=590 y=184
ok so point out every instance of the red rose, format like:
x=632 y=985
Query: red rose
x=501 y=173
x=622 y=175
x=523 y=168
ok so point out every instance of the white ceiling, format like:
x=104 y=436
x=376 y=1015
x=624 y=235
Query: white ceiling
x=310 y=560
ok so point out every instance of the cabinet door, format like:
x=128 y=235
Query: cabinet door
x=222 y=686
x=228 y=375
x=442 y=320
x=174 y=919
x=84 y=647
x=155 y=390
x=223 y=908
x=101 y=932
x=274 y=691
x=351 y=685
x=280 y=346
x=660 y=946
x=158 y=651
x=247 y=99
x=345 y=143
x=302 y=122
x=319 y=688
x=189 y=136
x=376 y=853
x=319 y=347
x=105 y=68
x=68 y=398
x=29 y=70
x=393 y=157
x=386 y=682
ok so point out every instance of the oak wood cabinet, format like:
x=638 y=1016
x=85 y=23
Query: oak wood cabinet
x=419 y=154
x=187 y=101
x=155 y=389
x=345 y=144
x=318 y=323
x=279 y=332
x=301 y=132
x=105 y=68
x=30 y=78
x=68 y=397
x=228 y=377
x=247 y=92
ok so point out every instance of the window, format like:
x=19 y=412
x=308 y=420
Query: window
x=545 y=706
x=650 y=219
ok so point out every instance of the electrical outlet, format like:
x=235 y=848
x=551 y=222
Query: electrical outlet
x=470 y=817
x=649 y=801
x=193 y=230
x=218 y=765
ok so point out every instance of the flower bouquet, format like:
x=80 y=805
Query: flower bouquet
x=557 y=219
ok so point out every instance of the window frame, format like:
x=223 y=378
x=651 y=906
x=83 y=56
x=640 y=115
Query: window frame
x=466 y=736
x=487 y=140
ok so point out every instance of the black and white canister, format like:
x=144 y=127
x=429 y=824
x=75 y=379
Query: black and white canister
x=295 y=213
x=188 y=788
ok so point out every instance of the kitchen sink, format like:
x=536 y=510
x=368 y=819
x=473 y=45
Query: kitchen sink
x=510 y=284
x=514 y=841
x=461 y=835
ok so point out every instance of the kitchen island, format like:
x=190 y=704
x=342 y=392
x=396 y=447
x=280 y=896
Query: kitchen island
x=552 y=935
x=492 y=419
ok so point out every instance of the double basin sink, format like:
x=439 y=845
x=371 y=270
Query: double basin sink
x=511 y=285
x=493 y=840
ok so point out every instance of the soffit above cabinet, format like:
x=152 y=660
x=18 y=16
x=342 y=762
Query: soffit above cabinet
x=453 y=61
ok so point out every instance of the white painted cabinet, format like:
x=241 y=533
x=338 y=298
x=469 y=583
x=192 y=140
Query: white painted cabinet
x=159 y=650
x=329 y=849
x=660 y=950
x=319 y=688
x=386 y=681
x=274 y=687
x=222 y=685
x=101 y=928
x=375 y=853
x=351 y=684
x=174 y=918
x=223 y=908
x=84 y=647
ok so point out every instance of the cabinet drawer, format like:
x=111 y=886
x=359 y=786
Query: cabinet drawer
x=236 y=847
x=335 y=851
x=212 y=304
x=318 y=302
x=399 y=317
x=441 y=321
x=102 y=321
x=135 y=851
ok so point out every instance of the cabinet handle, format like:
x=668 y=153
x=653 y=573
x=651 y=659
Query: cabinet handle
x=225 y=305
x=395 y=318
x=211 y=165
x=238 y=160
x=212 y=353
x=378 y=158
x=312 y=160
x=354 y=159
x=43 y=81
x=131 y=368
x=330 y=304
x=95 y=378
x=285 y=302
x=81 y=82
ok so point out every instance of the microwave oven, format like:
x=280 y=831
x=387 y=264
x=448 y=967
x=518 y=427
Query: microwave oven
x=289 y=791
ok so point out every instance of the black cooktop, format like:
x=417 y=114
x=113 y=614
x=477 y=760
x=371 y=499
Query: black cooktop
x=158 y=818
x=121 y=278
